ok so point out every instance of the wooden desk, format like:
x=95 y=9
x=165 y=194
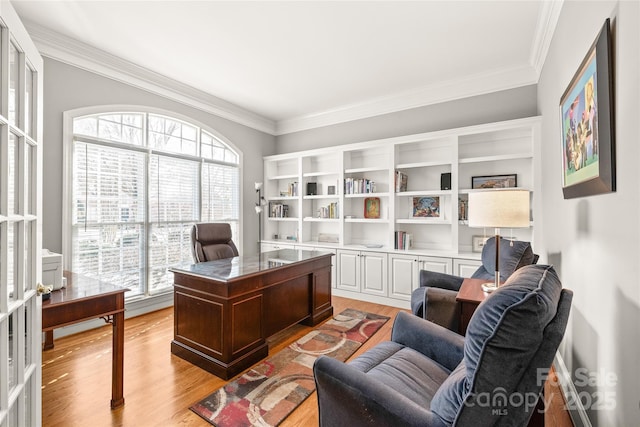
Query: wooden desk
x=469 y=296
x=84 y=299
x=225 y=310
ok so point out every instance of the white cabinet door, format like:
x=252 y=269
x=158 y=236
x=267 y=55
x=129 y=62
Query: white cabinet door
x=465 y=267
x=374 y=273
x=439 y=265
x=349 y=270
x=402 y=276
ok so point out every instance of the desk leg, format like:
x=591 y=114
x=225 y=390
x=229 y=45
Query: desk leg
x=117 y=370
x=48 y=340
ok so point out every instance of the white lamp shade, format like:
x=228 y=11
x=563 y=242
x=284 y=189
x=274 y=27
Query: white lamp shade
x=499 y=208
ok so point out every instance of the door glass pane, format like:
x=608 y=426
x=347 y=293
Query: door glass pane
x=13 y=350
x=14 y=84
x=13 y=175
x=27 y=333
x=28 y=101
x=29 y=183
x=28 y=282
x=12 y=255
x=28 y=387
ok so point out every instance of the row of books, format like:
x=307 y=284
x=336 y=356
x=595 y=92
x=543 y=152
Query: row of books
x=292 y=189
x=403 y=240
x=278 y=210
x=401 y=179
x=329 y=211
x=359 y=186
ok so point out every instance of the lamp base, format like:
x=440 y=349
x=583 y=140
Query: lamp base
x=489 y=287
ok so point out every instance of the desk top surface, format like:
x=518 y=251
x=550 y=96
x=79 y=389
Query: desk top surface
x=80 y=288
x=228 y=269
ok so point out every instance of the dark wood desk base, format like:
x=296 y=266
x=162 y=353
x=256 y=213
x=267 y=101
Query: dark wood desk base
x=222 y=326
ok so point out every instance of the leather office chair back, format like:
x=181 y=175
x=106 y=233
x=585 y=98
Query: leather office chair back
x=210 y=241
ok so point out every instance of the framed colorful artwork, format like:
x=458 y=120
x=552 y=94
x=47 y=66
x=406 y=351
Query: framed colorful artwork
x=586 y=114
x=426 y=207
x=372 y=207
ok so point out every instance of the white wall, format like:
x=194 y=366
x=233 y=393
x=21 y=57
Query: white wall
x=594 y=241
x=67 y=87
x=494 y=107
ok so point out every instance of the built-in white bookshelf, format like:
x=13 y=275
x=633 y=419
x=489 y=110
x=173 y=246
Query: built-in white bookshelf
x=348 y=177
x=335 y=184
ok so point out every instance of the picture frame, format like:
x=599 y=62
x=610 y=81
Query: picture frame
x=372 y=207
x=587 y=121
x=425 y=207
x=477 y=243
x=494 y=181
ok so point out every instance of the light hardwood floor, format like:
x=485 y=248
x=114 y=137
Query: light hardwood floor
x=158 y=386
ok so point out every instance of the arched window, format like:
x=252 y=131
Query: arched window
x=139 y=181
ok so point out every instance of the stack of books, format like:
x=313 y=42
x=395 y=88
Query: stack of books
x=401 y=181
x=403 y=240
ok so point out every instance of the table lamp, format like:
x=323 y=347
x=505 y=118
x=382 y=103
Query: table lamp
x=504 y=208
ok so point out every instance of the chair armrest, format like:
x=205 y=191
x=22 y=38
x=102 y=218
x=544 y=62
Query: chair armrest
x=434 y=341
x=441 y=307
x=349 y=397
x=440 y=280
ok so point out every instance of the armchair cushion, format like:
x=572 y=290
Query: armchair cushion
x=496 y=352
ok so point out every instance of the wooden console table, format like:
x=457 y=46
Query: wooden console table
x=83 y=299
x=224 y=310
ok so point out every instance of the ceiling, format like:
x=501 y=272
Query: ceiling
x=291 y=65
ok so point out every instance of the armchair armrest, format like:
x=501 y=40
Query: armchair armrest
x=440 y=280
x=434 y=341
x=349 y=397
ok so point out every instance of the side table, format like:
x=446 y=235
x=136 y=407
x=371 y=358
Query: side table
x=469 y=296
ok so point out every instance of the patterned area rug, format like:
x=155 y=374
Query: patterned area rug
x=272 y=389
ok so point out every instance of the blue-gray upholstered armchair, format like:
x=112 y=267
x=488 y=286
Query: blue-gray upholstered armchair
x=435 y=299
x=428 y=375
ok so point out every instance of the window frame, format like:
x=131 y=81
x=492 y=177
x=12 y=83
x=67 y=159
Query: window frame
x=68 y=147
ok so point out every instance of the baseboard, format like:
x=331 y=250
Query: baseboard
x=371 y=298
x=576 y=409
x=132 y=309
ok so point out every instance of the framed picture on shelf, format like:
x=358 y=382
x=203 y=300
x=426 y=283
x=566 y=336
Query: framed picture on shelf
x=494 y=181
x=372 y=207
x=477 y=243
x=586 y=115
x=426 y=207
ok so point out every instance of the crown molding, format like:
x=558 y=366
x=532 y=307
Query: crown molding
x=546 y=26
x=68 y=50
x=479 y=84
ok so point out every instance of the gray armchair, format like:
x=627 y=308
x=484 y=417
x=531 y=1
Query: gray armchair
x=435 y=299
x=210 y=241
x=430 y=376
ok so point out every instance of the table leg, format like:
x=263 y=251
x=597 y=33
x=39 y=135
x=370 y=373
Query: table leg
x=117 y=370
x=48 y=340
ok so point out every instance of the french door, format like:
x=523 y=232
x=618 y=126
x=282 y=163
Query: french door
x=20 y=223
